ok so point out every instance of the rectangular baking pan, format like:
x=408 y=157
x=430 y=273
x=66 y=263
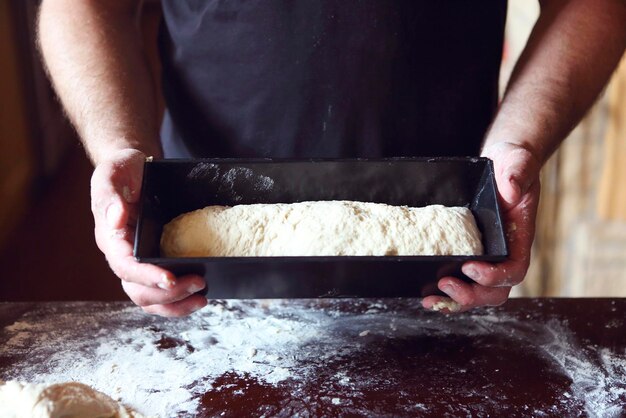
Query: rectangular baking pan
x=172 y=187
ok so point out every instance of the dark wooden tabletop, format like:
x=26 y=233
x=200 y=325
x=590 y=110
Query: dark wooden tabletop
x=530 y=357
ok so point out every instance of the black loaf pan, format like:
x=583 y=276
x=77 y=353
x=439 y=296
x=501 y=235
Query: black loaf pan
x=172 y=187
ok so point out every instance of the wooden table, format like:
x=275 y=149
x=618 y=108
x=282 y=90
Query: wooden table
x=530 y=357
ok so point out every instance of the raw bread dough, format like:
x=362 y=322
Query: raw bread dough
x=448 y=304
x=324 y=228
x=62 y=400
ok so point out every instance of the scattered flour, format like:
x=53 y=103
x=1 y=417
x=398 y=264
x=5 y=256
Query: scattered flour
x=167 y=358
x=600 y=383
x=227 y=179
x=162 y=368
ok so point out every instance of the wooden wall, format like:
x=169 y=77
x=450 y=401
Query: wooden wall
x=612 y=196
x=580 y=247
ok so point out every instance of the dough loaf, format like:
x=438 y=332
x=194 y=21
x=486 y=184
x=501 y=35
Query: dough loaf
x=62 y=400
x=324 y=228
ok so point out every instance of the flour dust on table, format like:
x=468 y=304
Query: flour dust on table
x=318 y=358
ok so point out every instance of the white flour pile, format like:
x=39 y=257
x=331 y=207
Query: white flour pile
x=157 y=369
x=133 y=370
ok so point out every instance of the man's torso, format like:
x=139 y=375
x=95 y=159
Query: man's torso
x=329 y=78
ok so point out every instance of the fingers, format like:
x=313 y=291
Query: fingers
x=147 y=284
x=177 y=309
x=472 y=295
x=466 y=295
x=179 y=301
x=118 y=249
x=145 y=296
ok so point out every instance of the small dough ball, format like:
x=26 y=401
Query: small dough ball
x=448 y=304
x=62 y=400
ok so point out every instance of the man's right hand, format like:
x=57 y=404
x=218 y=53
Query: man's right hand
x=115 y=190
x=94 y=54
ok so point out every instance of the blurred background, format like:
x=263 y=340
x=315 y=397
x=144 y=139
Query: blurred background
x=47 y=249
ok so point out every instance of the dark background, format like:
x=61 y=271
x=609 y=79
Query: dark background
x=47 y=248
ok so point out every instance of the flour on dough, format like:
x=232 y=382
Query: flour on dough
x=62 y=400
x=322 y=228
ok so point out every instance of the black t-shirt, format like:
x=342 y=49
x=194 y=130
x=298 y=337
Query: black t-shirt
x=329 y=78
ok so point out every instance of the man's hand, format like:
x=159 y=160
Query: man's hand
x=517 y=177
x=115 y=189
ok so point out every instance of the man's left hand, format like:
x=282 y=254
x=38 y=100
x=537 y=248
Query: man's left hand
x=517 y=178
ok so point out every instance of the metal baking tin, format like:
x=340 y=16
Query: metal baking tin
x=172 y=187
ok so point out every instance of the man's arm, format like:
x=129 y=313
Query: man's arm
x=571 y=53
x=92 y=51
x=574 y=48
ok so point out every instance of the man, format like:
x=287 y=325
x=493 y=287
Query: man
x=324 y=79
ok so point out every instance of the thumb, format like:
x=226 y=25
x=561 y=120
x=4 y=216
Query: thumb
x=109 y=206
x=115 y=185
x=516 y=169
x=116 y=214
x=510 y=188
